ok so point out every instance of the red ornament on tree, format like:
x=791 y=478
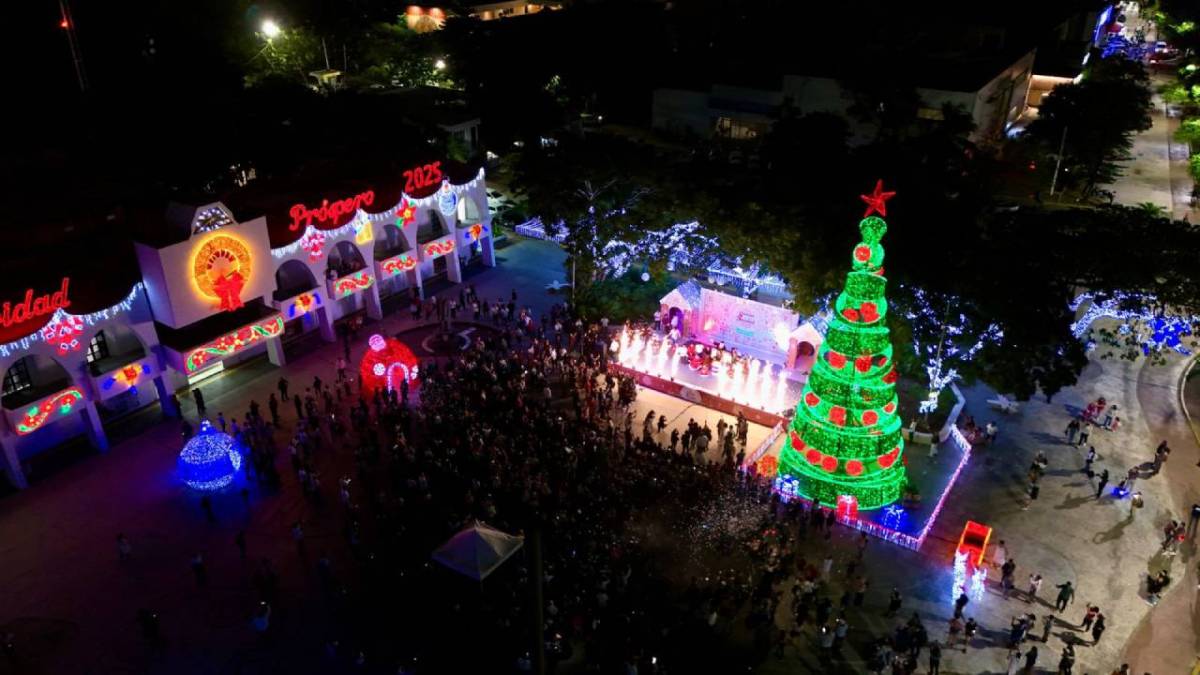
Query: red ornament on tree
x=851 y=314
x=869 y=417
x=811 y=400
x=869 y=311
x=829 y=463
x=797 y=442
x=863 y=363
x=886 y=461
x=838 y=361
x=890 y=407
x=837 y=415
x=854 y=467
x=862 y=253
x=881 y=362
x=891 y=377
x=812 y=456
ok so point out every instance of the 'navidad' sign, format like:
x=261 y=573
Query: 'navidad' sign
x=16 y=318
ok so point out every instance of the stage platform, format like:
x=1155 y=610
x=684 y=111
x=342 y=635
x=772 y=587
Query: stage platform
x=689 y=386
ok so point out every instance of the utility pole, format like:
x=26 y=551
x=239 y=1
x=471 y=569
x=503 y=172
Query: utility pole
x=1062 y=144
x=68 y=24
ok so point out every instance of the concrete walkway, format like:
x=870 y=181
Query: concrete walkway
x=1166 y=641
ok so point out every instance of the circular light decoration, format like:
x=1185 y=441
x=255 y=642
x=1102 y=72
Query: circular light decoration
x=220 y=269
x=209 y=460
x=387 y=363
x=447 y=200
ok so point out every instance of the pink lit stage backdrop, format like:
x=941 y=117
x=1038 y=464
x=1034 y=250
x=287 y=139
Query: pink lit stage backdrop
x=752 y=327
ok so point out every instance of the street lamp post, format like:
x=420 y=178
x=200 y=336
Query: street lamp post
x=1062 y=144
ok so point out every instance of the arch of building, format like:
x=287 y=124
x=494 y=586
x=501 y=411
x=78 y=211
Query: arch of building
x=292 y=278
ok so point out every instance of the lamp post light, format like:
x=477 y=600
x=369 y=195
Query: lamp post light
x=270 y=29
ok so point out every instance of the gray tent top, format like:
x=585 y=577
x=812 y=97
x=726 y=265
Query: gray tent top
x=478 y=550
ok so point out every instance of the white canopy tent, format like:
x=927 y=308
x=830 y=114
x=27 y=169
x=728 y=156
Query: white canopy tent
x=478 y=550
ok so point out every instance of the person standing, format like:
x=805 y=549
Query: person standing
x=1031 y=660
x=1089 y=616
x=1047 y=626
x=1001 y=555
x=894 y=603
x=283 y=388
x=1066 y=595
x=1098 y=628
x=1035 y=585
x=960 y=604
x=1067 y=663
x=1103 y=482
x=935 y=658
x=1088 y=459
x=1034 y=489
x=1007 y=572
x=1083 y=435
x=1193 y=520
x=969 y=631
x=273 y=406
x=1014 y=660
x=198 y=397
x=1072 y=429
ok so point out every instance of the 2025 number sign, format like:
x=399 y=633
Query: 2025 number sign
x=422 y=177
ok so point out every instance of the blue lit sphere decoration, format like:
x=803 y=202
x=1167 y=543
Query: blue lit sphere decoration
x=209 y=460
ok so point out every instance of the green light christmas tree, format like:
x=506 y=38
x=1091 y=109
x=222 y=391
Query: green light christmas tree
x=845 y=436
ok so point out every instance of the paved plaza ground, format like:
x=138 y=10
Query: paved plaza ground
x=72 y=604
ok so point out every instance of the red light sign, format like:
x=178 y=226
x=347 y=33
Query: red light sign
x=422 y=177
x=329 y=212
x=24 y=311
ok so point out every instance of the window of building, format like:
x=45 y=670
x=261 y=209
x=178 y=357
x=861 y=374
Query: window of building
x=17 y=378
x=931 y=114
x=97 y=348
x=728 y=127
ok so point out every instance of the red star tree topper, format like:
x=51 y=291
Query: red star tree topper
x=877 y=201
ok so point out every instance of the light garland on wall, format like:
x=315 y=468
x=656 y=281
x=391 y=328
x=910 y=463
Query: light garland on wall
x=353 y=283
x=310 y=234
x=126 y=377
x=303 y=304
x=60 y=315
x=397 y=264
x=55 y=405
x=234 y=342
x=435 y=249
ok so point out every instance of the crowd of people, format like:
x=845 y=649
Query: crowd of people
x=528 y=431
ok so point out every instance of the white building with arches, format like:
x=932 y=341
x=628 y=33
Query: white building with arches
x=216 y=291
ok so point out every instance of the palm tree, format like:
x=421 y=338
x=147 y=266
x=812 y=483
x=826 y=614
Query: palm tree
x=1152 y=209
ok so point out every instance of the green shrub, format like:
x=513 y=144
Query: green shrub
x=1189 y=131
x=1194 y=167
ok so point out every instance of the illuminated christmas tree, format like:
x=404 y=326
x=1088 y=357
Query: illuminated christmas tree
x=845 y=436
